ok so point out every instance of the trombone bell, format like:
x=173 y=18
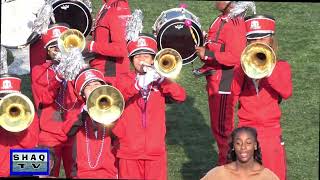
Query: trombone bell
x=168 y=63
x=16 y=112
x=105 y=104
x=71 y=38
x=258 y=60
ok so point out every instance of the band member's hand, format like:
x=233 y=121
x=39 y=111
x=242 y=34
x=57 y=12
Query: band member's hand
x=200 y=50
x=145 y=80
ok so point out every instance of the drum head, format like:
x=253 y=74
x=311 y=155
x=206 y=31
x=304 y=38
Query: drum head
x=174 y=34
x=17 y=19
x=74 y=13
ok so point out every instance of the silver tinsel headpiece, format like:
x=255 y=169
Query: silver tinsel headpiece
x=3 y=62
x=240 y=8
x=41 y=23
x=134 y=25
x=70 y=64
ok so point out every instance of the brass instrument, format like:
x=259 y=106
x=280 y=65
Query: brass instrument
x=16 y=112
x=71 y=38
x=168 y=63
x=105 y=104
x=258 y=60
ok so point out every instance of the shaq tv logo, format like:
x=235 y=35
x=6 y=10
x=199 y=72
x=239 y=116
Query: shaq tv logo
x=6 y=84
x=29 y=162
x=255 y=25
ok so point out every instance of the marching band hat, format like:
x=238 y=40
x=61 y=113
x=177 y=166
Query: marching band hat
x=86 y=76
x=145 y=44
x=54 y=31
x=259 y=26
x=9 y=84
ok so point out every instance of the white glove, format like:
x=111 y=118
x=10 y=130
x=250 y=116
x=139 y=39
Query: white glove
x=149 y=77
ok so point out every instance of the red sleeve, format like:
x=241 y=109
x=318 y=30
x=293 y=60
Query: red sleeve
x=128 y=87
x=238 y=80
x=280 y=79
x=114 y=23
x=173 y=90
x=28 y=138
x=228 y=49
x=44 y=85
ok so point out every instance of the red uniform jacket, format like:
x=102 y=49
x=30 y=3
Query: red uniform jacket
x=75 y=126
x=262 y=109
x=10 y=140
x=109 y=42
x=37 y=54
x=224 y=45
x=45 y=90
x=144 y=138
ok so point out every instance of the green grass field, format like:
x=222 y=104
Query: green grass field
x=191 y=148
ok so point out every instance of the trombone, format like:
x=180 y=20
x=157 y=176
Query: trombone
x=105 y=104
x=167 y=62
x=16 y=112
x=258 y=60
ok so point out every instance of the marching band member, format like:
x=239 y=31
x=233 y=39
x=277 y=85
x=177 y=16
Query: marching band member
x=109 y=42
x=27 y=138
x=53 y=98
x=141 y=129
x=225 y=42
x=260 y=98
x=92 y=143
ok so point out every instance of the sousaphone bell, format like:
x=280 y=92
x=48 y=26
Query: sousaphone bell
x=16 y=112
x=105 y=104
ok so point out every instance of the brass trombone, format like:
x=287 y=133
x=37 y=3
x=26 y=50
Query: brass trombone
x=16 y=112
x=167 y=62
x=105 y=104
x=71 y=38
x=258 y=60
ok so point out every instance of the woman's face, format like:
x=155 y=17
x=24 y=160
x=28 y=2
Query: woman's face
x=137 y=59
x=244 y=146
x=52 y=52
x=90 y=87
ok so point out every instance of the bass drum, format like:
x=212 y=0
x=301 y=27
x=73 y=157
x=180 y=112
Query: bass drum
x=75 y=13
x=172 y=33
x=17 y=18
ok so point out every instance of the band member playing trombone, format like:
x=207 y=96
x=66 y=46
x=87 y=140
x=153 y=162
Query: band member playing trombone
x=92 y=145
x=109 y=42
x=225 y=42
x=16 y=136
x=141 y=129
x=53 y=97
x=262 y=82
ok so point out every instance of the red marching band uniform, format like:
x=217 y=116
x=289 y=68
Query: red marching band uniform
x=259 y=108
x=141 y=129
x=53 y=99
x=92 y=156
x=225 y=42
x=109 y=44
x=25 y=139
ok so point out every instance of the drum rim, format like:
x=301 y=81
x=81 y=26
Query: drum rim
x=154 y=27
x=192 y=57
x=86 y=10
